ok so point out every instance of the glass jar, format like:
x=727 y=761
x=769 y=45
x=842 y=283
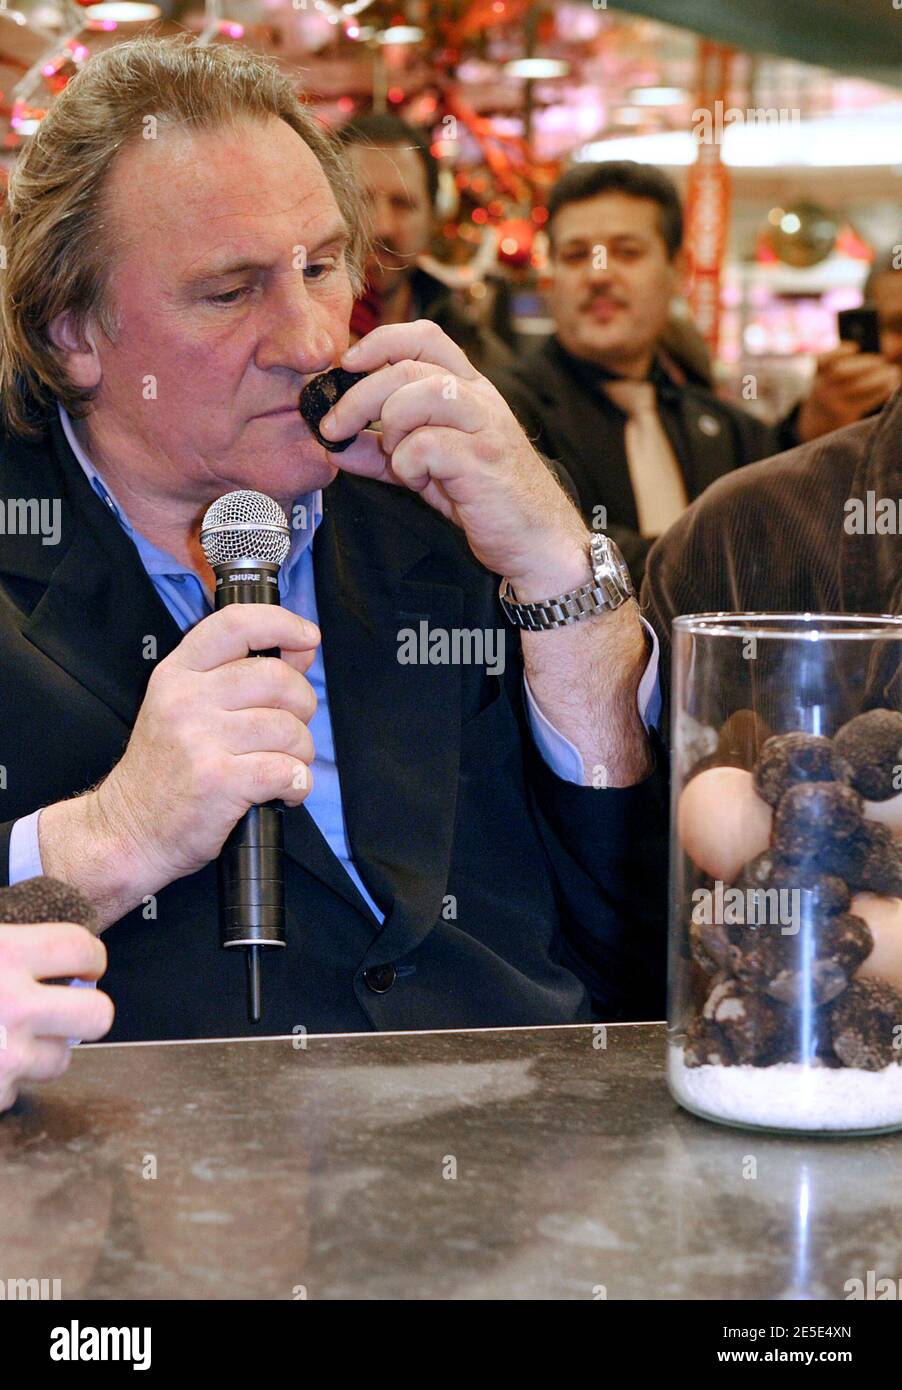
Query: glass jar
x=785 y=962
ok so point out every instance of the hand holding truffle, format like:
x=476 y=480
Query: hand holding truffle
x=449 y=435
x=46 y=937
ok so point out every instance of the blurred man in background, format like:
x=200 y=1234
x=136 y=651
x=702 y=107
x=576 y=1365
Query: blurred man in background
x=399 y=177
x=883 y=289
x=851 y=384
x=601 y=398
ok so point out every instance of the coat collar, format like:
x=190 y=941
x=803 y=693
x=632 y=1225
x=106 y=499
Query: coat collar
x=696 y=422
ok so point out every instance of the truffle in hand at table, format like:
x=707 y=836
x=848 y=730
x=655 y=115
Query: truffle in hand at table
x=318 y=398
x=46 y=899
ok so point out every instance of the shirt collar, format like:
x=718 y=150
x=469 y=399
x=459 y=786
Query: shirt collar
x=594 y=376
x=307 y=513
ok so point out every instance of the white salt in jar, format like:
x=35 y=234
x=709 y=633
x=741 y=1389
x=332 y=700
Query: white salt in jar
x=785 y=974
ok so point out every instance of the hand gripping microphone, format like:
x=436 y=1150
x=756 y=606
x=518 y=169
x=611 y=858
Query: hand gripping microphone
x=245 y=539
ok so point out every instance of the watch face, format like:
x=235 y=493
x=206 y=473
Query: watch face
x=610 y=564
x=626 y=578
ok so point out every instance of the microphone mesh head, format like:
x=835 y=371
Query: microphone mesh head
x=245 y=525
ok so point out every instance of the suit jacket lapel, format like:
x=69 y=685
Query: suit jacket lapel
x=708 y=449
x=90 y=595
x=594 y=431
x=396 y=727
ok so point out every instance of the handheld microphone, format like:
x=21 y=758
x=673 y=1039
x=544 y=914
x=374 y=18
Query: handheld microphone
x=245 y=538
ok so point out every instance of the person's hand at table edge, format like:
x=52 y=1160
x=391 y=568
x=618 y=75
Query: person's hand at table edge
x=36 y=1019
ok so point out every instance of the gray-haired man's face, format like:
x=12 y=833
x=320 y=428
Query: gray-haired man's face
x=232 y=289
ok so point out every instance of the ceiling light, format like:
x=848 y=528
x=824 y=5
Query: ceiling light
x=401 y=33
x=657 y=96
x=823 y=143
x=536 y=68
x=122 y=12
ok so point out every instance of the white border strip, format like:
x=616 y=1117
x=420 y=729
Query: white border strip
x=400 y=1033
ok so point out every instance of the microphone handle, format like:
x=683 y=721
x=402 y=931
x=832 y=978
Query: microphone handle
x=251 y=882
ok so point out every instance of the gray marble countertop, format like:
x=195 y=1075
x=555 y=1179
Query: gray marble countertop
x=519 y=1163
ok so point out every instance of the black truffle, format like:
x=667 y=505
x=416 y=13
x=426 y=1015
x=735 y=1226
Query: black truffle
x=870 y=860
x=318 y=398
x=759 y=871
x=740 y=738
x=864 y=1022
x=821 y=893
x=815 y=962
x=45 y=900
x=872 y=746
x=807 y=1038
x=787 y=759
x=706 y=1045
x=751 y=1024
x=820 y=966
x=813 y=816
x=710 y=945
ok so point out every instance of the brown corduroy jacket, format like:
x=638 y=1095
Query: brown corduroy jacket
x=783 y=535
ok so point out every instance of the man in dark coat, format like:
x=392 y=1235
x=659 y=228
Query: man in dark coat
x=399 y=178
x=599 y=396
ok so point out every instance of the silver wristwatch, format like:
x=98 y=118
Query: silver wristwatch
x=609 y=588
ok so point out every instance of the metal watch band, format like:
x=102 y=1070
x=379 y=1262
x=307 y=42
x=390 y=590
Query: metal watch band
x=607 y=590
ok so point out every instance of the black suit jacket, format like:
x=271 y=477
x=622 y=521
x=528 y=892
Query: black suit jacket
x=572 y=421
x=511 y=897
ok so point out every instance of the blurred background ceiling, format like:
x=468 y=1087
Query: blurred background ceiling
x=621 y=74
x=862 y=37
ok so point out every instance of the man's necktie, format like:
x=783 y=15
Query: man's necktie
x=655 y=474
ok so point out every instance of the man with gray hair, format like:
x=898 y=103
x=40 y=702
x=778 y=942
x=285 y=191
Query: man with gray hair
x=462 y=848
